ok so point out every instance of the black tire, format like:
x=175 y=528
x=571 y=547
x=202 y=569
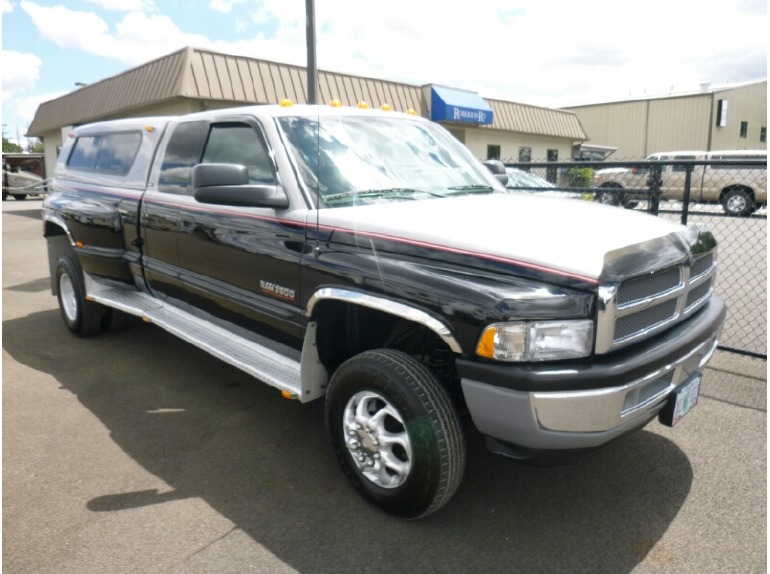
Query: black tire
x=630 y=203
x=19 y=196
x=115 y=320
x=738 y=202
x=409 y=467
x=82 y=317
x=5 y=195
x=614 y=197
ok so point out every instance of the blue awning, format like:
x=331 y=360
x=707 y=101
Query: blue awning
x=448 y=105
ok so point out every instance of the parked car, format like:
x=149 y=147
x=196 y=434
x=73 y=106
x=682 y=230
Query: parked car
x=21 y=177
x=740 y=189
x=520 y=180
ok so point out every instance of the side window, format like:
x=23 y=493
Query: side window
x=682 y=168
x=84 y=152
x=240 y=144
x=109 y=153
x=182 y=153
x=117 y=152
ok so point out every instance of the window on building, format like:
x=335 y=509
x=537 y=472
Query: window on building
x=493 y=152
x=458 y=134
x=525 y=156
x=763 y=134
x=744 y=129
x=550 y=173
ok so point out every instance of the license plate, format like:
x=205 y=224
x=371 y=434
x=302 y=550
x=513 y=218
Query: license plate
x=681 y=401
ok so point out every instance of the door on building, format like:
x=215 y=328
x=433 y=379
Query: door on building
x=551 y=173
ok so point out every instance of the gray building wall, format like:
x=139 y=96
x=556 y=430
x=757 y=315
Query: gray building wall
x=639 y=128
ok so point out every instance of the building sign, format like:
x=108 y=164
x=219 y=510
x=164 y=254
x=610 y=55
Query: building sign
x=450 y=105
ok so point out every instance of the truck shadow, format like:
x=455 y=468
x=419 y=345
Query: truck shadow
x=209 y=431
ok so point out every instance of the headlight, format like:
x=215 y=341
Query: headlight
x=537 y=341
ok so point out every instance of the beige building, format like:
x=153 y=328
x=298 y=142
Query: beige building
x=714 y=119
x=192 y=80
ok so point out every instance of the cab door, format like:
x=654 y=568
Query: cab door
x=159 y=223
x=673 y=179
x=241 y=264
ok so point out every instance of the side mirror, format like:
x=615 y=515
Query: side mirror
x=498 y=170
x=228 y=184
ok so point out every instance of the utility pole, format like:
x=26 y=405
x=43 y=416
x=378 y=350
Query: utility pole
x=312 y=71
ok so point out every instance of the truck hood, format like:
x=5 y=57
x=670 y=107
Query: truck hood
x=570 y=238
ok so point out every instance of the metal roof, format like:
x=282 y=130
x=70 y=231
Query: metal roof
x=530 y=119
x=193 y=73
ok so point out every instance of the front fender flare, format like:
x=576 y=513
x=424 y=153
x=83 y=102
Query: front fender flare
x=389 y=306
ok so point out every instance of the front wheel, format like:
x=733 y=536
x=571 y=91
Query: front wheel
x=81 y=316
x=395 y=433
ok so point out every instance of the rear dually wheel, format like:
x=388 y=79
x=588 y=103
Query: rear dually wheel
x=81 y=316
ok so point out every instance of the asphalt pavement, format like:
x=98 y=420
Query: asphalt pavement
x=133 y=452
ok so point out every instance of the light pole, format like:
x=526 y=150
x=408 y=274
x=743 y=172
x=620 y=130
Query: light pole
x=312 y=71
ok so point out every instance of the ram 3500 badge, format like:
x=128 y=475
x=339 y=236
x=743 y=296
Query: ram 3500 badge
x=369 y=259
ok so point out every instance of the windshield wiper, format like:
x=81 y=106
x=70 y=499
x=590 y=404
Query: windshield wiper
x=468 y=189
x=376 y=193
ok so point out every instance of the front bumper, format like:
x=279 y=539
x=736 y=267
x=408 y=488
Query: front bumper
x=584 y=405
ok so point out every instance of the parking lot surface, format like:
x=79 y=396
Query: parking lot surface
x=133 y=452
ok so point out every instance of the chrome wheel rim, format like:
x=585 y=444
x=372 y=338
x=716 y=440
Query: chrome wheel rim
x=69 y=300
x=377 y=440
x=736 y=204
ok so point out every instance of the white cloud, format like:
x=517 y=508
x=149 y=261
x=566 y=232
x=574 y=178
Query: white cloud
x=126 y=5
x=26 y=107
x=538 y=52
x=137 y=37
x=20 y=71
x=224 y=6
x=6 y=6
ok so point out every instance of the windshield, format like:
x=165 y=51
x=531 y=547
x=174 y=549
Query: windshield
x=519 y=178
x=371 y=159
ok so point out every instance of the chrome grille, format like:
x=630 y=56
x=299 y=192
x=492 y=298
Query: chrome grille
x=702 y=265
x=651 y=285
x=632 y=324
x=700 y=292
x=642 y=306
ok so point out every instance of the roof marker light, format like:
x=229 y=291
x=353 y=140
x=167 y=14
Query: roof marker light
x=335 y=104
x=286 y=103
x=386 y=108
x=363 y=105
x=149 y=128
x=411 y=112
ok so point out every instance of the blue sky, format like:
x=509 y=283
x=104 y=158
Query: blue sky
x=550 y=53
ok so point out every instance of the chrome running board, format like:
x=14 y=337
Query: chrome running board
x=253 y=356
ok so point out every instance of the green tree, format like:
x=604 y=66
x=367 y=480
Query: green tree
x=35 y=145
x=11 y=147
x=579 y=176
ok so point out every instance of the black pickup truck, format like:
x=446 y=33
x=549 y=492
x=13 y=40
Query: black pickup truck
x=366 y=257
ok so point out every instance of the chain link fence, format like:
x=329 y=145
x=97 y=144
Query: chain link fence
x=727 y=194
